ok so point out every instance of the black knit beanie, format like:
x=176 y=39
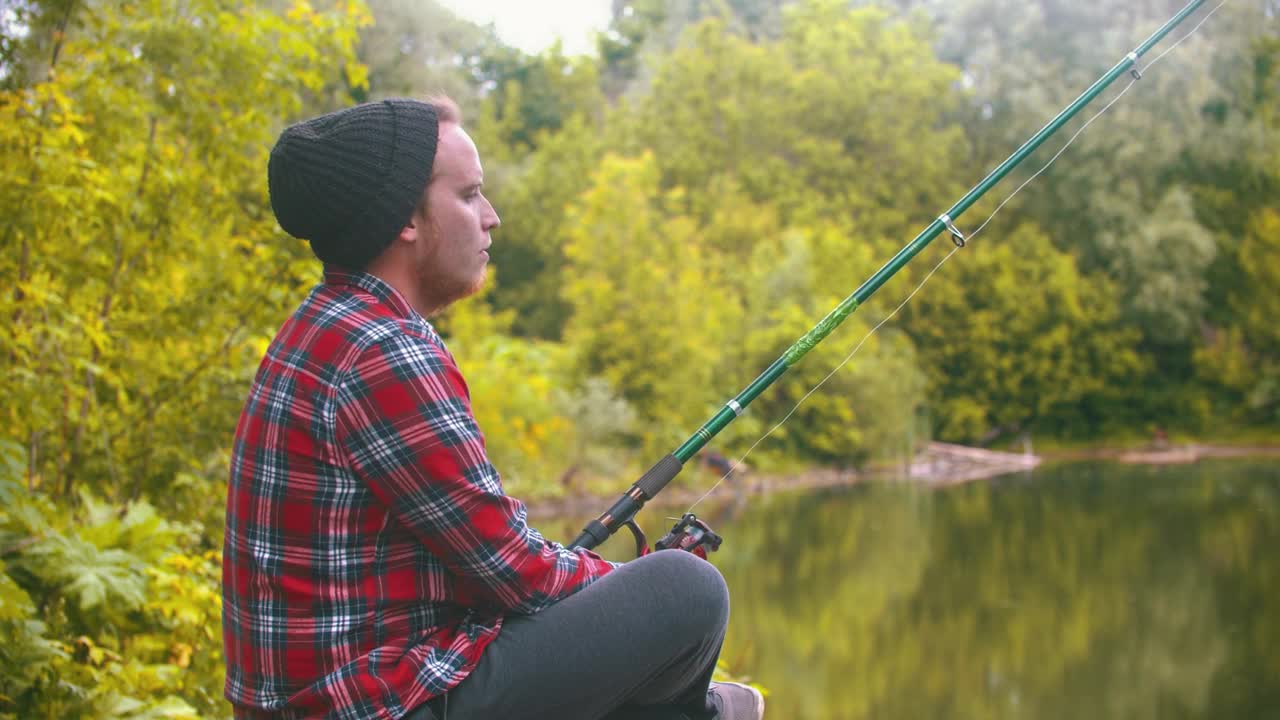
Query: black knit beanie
x=348 y=181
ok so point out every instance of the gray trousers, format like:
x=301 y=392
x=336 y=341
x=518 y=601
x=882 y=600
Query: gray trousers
x=641 y=643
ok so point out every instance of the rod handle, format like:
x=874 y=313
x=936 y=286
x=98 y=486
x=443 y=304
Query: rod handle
x=657 y=477
x=649 y=485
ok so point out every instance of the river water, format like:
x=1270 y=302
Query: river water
x=1083 y=590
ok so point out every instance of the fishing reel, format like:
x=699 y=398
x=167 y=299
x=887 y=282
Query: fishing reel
x=689 y=534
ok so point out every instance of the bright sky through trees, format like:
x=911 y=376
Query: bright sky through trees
x=534 y=26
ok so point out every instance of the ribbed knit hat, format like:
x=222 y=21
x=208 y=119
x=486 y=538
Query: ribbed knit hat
x=348 y=181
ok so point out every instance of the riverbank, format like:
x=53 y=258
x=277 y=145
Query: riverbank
x=940 y=464
x=1173 y=454
x=932 y=467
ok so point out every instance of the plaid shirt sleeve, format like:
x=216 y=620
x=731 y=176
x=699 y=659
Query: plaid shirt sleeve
x=404 y=418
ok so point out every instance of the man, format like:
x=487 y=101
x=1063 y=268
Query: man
x=373 y=566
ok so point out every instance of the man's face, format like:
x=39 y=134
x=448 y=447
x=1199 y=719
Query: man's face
x=453 y=257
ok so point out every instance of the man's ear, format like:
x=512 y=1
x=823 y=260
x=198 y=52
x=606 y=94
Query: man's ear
x=416 y=229
x=409 y=233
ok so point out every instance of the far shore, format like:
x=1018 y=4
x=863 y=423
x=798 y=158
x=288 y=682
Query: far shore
x=977 y=464
x=1165 y=455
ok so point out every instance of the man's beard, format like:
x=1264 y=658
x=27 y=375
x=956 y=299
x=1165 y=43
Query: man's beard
x=438 y=291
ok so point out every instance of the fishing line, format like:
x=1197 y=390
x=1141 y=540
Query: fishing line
x=955 y=248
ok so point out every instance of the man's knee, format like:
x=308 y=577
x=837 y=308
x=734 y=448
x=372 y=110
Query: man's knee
x=689 y=592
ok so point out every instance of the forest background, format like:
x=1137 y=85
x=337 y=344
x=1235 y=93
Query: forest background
x=677 y=209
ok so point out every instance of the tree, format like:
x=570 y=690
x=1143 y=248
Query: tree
x=670 y=310
x=1119 y=199
x=147 y=274
x=532 y=197
x=138 y=202
x=631 y=262
x=1239 y=176
x=803 y=122
x=643 y=30
x=1011 y=335
x=415 y=48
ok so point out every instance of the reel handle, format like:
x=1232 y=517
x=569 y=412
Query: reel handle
x=691 y=535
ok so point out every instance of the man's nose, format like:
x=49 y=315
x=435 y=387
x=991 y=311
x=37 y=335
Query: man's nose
x=492 y=221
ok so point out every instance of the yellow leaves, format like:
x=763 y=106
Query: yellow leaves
x=1224 y=358
x=182 y=563
x=515 y=390
x=259 y=345
x=143 y=257
x=85 y=650
x=129 y=206
x=185 y=592
x=355 y=13
x=71 y=134
x=357 y=75
x=180 y=655
x=540 y=385
x=301 y=11
x=1260 y=261
x=635 y=261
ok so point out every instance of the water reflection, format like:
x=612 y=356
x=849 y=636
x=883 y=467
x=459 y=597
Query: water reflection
x=1084 y=590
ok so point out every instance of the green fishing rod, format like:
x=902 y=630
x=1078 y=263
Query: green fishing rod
x=691 y=533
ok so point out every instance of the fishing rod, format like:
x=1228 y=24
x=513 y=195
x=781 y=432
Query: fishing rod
x=692 y=534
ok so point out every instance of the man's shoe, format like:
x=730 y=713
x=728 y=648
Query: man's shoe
x=736 y=701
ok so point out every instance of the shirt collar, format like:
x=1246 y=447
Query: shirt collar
x=374 y=285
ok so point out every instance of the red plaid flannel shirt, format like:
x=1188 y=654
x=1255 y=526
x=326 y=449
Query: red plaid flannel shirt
x=370 y=552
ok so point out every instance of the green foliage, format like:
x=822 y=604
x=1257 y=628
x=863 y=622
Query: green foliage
x=1237 y=359
x=643 y=31
x=1244 y=359
x=823 y=122
x=1157 y=195
x=532 y=198
x=126 y=624
x=26 y=655
x=1001 y=358
x=629 y=267
x=539 y=94
x=794 y=166
x=144 y=256
x=146 y=270
x=414 y=48
x=546 y=431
